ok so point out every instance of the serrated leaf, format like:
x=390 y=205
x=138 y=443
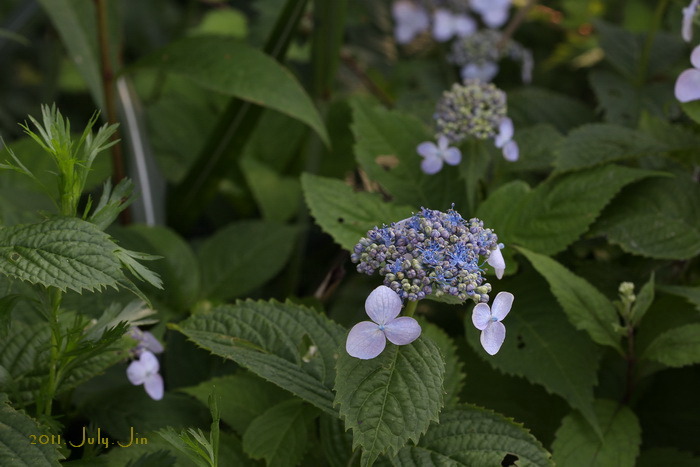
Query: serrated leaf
x=280 y=435
x=597 y=143
x=242 y=256
x=577 y=445
x=558 y=211
x=543 y=347
x=454 y=368
x=246 y=397
x=335 y=442
x=677 y=347
x=641 y=305
x=537 y=144
x=231 y=67
x=692 y=294
x=385 y=148
x=530 y=105
x=468 y=436
x=19 y=436
x=345 y=215
x=648 y=219
x=584 y=305
x=271 y=339
x=392 y=398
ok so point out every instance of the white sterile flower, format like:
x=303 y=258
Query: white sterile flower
x=484 y=72
x=367 y=339
x=688 y=83
x=511 y=151
x=504 y=140
x=446 y=25
x=410 y=19
x=688 y=18
x=488 y=321
x=496 y=261
x=434 y=155
x=145 y=371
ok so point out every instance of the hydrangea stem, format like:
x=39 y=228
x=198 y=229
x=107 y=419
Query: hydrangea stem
x=51 y=384
x=410 y=307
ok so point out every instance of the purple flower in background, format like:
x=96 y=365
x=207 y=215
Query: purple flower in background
x=504 y=140
x=146 y=341
x=496 y=261
x=145 y=371
x=494 y=13
x=367 y=339
x=485 y=71
x=488 y=321
x=434 y=155
x=688 y=82
x=446 y=25
x=688 y=18
x=410 y=19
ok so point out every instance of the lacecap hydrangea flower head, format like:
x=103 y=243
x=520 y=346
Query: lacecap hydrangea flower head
x=432 y=252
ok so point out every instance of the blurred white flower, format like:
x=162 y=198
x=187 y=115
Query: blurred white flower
x=410 y=19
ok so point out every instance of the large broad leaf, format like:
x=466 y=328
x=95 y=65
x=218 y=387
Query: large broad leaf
x=543 y=347
x=392 y=398
x=530 y=105
x=577 y=445
x=65 y=253
x=235 y=69
x=677 y=347
x=244 y=255
x=468 y=435
x=20 y=442
x=454 y=368
x=385 y=147
x=557 y=212
x=281 y=434
x=658 y=218
x=290 y=345
x=585 y=306
x=598 y=143
x=345 y=215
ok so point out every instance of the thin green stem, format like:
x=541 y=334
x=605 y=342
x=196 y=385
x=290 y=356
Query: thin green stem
x=410 y=307
x=646 y=51
x=49 y=390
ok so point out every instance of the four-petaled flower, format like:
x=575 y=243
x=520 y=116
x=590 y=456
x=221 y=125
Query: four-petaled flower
x=411 y=20
x=367 y=339
x=145 y=371
x=488 y=321
x=688 y=83
x=494 y=13
x=446 y=25
x=434 y=155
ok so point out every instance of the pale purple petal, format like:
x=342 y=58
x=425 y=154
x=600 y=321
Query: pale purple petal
x=431 y=165
x=527 y=65
x=410 y=19
x=695 y=57
x=443 y=143
x=495 y=17
x=149 y=362
x=688 y=17
x=365 y=341
x=688 y=85
x=149 y=342
x=136 y=372
x=154 y=386
x=505 y=132
x=464 y=25
x=497 y=262
x=492 y=337
x=511 y=152
x=501 y=305
x=427 y=149
x=481 y=316
x=484 y=72
x=443 y=27
x=403 y=33
x=383 y=305
x=452 y=156
x=403 y=330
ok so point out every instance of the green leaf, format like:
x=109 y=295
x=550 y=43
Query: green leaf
x=345 y=215
x=278 y=196
x=392 y=398
x=233 y=68
x=584 y=305
x=274 y=341
x=645 y=298
x=677 y=347
x=597 y=143
x=468 y=436
x=655 y=457
x=246 y=397
x=385 y=148
x=542 y=346
x=454 y=368
x=557 y=212
x=335 y=441
x=648 y=219
x=65 y=253
x=243 y=256
x=537 y=144
x=691 y=294
x=530 y=105
x=19 y=439
x=280 y=435
x=577 y=445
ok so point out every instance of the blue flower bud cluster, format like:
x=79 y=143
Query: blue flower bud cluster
x=430 y=252
x=474 y=108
